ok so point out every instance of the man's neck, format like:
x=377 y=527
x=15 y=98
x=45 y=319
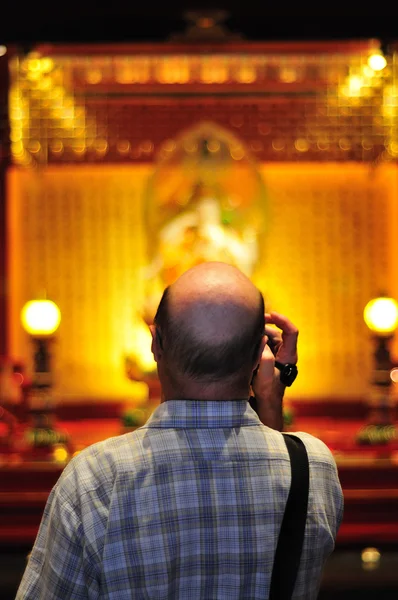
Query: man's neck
x=205 y=391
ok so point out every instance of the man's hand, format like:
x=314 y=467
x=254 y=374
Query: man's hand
x=266 y=385
x=264 y=375
x=284 y=342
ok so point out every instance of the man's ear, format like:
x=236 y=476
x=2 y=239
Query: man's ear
x=260 y=352
x=155 y=347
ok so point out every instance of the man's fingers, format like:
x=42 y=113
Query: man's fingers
x=273 y=332
x=287 y=349
x=281 y=321
x=267 y=354
x=274 y=338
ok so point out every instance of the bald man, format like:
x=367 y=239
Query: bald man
x=190 y=505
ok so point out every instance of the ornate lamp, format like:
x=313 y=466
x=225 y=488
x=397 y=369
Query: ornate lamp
x=41 y=319
x=381 y=317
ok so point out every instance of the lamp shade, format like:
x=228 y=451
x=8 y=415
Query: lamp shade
x=40 y=317
x=381 y=315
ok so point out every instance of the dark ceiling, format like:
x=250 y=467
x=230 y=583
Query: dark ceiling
x=118 y=21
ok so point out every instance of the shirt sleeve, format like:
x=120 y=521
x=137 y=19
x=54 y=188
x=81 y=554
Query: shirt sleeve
x=56 y=569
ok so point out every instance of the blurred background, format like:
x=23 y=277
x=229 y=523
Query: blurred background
x=135 y=144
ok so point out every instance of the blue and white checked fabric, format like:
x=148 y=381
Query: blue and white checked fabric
x=189 y=506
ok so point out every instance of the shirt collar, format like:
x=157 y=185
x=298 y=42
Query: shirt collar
x=203 y=413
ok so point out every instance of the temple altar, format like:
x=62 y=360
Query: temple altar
x=125 y=164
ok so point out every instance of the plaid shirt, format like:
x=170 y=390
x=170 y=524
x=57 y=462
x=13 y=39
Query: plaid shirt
x=187 y=506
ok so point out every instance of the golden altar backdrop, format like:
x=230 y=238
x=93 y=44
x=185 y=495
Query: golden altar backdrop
x=330 y=243
x=88 y=125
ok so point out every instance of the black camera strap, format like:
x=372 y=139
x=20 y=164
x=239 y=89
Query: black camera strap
x=291 y=535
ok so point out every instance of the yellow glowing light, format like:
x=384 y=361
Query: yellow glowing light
x=370 y=555
x=370 y=559
x=60 y=454
x=288 y=75
x=3 y=50
x=377 y=62
x=394 y=375
x=381 y=315
x=137 y=71
x=173 y=70
x=46 y=64
x=40 y=317
x=355 y=84
x=94 y=76
x=214 y=70
x=124 y=76
x=247 y=74
x=34 y=64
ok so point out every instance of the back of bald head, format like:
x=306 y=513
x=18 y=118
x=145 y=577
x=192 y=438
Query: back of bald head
x=211 y=323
